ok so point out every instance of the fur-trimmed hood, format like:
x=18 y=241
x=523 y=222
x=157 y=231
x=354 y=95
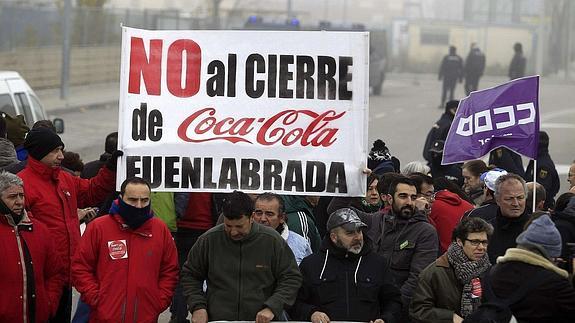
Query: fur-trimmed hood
x=529 y=257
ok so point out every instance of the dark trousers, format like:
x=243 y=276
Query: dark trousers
x=185 y=239
x=471 y=83
x=64 y=313
x=448 y=86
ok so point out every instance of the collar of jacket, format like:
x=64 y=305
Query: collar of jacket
x=256 y=227
x=25 y=223
x=505 y=221
x=145 y=230
x=44 y=171
x=531 y=258
x=442 y=261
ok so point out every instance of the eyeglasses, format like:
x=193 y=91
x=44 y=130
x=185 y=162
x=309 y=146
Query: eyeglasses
x=476 y=243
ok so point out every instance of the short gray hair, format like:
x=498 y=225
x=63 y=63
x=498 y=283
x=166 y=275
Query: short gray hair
x=8 y=179
x=509 y=176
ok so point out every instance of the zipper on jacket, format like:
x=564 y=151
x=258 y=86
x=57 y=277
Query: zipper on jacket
x=24 y=278
x=240 y=283
x=347 y=294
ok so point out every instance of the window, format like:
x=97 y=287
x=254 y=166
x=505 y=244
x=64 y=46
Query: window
x=434 y=37
x=37 y=108
x=6 y=105
x=22 y=100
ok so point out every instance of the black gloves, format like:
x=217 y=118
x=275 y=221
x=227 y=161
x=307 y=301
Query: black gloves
x=113 y=160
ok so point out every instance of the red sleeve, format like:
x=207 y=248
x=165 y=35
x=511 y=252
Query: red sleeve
x=95 y=190
x=169 y=270
x=84 y=263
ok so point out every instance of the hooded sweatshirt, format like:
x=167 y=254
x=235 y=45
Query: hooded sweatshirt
x=446 y=211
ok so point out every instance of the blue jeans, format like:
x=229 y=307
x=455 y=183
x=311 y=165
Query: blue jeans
x=82 y=314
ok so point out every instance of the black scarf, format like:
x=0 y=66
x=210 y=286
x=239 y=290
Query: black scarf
x=467 y=270
x=133 y=216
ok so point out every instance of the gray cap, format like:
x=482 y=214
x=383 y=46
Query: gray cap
x=346 y=218
x=542 y=233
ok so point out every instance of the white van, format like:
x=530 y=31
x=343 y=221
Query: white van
x=17 y=97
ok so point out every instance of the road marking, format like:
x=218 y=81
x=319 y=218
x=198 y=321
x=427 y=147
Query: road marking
x=556 y=114
x=552 y=125
x=562 y=169
x=379 y=115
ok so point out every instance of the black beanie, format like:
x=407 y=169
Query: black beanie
x=41 y=141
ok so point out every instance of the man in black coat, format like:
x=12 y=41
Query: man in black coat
x=564 y=218
x=518 y=62
x=474 y=67
x=450 y=71
x=346 y=280
x=508 y=160
x=546 y=172
x=440 y=129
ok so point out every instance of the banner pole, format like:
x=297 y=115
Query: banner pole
x=534 y=185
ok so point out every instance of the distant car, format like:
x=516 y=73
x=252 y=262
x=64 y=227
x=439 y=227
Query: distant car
x=17 y=97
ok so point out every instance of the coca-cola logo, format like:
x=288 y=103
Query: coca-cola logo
x=287 y=128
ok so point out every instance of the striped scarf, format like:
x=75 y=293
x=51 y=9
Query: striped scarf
x=466 y=270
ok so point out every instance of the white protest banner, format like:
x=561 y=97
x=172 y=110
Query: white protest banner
x=255 y=111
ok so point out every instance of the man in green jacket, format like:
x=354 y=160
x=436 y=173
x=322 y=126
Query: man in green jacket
x=251 y=272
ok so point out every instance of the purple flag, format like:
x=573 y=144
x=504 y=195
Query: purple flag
x=506 y=115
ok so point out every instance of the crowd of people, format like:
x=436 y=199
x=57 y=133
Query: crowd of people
x=427 y=243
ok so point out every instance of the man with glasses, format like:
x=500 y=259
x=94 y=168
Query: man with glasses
x=450 y=288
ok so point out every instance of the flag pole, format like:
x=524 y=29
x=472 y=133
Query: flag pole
x=534 y=185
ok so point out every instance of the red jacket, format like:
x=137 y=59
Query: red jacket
x=54 y=196
x=446 y=212
x=126 y=275
x=15 y=303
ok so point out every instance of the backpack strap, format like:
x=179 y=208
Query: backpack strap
x=532 y=282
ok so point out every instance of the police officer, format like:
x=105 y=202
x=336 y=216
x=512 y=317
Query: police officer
x=450 y=71
x=546 y=172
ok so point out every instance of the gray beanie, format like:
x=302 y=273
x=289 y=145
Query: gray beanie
x=542 y=233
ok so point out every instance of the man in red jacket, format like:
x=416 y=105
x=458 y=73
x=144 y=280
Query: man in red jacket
x=54 y=196
x=126 y=266
x=31 y=274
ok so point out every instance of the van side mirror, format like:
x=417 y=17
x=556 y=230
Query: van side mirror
x=59 y=125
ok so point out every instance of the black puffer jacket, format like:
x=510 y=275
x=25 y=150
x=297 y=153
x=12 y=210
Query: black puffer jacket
x=346 y=286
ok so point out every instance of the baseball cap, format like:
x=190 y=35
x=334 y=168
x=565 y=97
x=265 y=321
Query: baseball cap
x=491 y=176
x=345 y=218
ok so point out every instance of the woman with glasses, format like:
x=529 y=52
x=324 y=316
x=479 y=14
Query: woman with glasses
x=449 y=289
